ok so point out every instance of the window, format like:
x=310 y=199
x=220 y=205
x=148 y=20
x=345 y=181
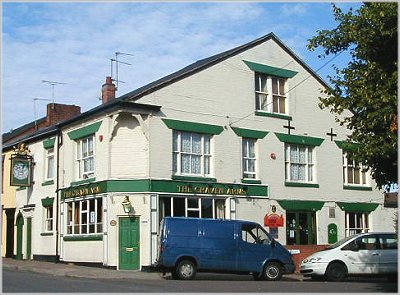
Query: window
x=387 y=241
x=254 y=234
x=85 y=216
x=192 y=207
x=48 y=219
x=50 y=163
x=356 y=222
x=270 y=94
x=191 y=154
x=299 y=163
x=85 y=157
x=353 y=173
x=249 y=158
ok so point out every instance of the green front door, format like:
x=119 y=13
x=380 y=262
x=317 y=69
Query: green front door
x=129 y=243
x=20 y=224
x=28 y=238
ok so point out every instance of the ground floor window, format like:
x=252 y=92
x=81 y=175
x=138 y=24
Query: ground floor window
x=300 y=228
x=84 y=216
x=192 y=207
x=356 y=222
x=48 y=219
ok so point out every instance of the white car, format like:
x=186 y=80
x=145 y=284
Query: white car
x=373 y=253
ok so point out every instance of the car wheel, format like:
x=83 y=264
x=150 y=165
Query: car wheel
x=273 y=271
x=336 y=272
x=185 y=270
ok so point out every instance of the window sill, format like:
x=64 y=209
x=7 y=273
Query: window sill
x=301 y=184
x=84 y=181
x=193 y=178
x=46 y=234
x=48 y=182
x=92 y=237
x=357 y=188
x=273 y=115
x=251 y=181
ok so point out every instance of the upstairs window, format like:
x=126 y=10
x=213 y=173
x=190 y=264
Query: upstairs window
x=191 y=154
x=353 y=173
x=249 y=158
x=85 y=157
x=270 y=94
x=50 y=164
x=299 y=163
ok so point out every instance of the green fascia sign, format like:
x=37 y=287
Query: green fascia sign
x=165 y=186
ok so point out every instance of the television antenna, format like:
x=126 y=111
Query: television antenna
x=34 y=107
x=52 y=83
x=116 y=64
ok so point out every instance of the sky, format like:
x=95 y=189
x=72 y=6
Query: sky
x=70 y=45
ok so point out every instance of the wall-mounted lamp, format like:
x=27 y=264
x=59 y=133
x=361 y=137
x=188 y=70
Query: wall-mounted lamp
x=126 y=204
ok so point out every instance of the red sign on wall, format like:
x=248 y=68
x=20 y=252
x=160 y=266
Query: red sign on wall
x=273 y=220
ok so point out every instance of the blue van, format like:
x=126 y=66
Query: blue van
x=187 y=245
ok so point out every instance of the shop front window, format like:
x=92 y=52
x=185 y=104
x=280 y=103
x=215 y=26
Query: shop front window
x=300 y=228
x=356 y=222
x=84 y=216
x=192 y=207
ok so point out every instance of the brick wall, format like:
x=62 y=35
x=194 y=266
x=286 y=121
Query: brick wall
x=305 y=250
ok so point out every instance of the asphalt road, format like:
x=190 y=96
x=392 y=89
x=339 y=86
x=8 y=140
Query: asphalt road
x=23 y=281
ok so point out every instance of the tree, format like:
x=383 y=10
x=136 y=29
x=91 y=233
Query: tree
x=367 y=86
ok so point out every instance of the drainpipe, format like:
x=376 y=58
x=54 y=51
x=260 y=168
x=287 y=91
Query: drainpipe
x=59 y=142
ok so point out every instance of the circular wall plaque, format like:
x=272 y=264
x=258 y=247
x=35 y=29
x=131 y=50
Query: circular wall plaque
x=113 y=223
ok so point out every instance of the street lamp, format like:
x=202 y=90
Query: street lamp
x=126 y=204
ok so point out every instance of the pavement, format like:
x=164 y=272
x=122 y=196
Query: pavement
x=74 y=270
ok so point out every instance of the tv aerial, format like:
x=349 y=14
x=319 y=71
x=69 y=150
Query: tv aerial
x=116 y=65
x=52 y=83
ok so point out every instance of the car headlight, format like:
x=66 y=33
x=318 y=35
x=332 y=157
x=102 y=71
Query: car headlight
x=311 y=260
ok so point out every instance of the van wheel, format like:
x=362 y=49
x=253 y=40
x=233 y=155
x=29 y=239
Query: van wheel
x=185 y=270
x=336 y=272
x=273 y=271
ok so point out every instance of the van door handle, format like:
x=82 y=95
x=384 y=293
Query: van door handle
x=375 y=254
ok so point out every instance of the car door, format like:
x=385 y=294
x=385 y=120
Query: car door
x=387 y=253
x=362 y=255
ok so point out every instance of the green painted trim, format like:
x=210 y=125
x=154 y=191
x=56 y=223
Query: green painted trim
x=301 y=184
x=47 y=202
x=165 y=186
x=28 y=237
x=49 y=143
x=251 y=181
x=85 y=181
x=269 y=70
x=84 y=131
x=46 y=234
x=301 y=205
x=249 y=133
x=273 y=115
x=97 y=237
x=48 y=182
x=193 y=127
x=299 y=139
x=193 y=178
x=21 y=188
x=357 y=207
x=357 y=188
x=347 y=146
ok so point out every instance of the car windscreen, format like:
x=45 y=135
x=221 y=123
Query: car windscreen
x=339 y=243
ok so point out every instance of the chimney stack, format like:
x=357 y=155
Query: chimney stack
x=108 y=90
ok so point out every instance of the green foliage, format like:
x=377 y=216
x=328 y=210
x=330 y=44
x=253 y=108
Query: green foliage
x=367 y=87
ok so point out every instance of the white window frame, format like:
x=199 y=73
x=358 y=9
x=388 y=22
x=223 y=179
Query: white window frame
x=50 y=164
x=205 y=157
x=78 y=211
x=360 y=220
x=350 y=166
x=265 y=95
x=81 y=158
x=48 y=219
x=309 y=164
x=247 y=158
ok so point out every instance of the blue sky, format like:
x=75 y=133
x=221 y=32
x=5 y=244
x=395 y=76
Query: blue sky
x=73 y=42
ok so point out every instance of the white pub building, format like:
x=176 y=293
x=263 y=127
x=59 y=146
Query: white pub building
x=238 y=135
